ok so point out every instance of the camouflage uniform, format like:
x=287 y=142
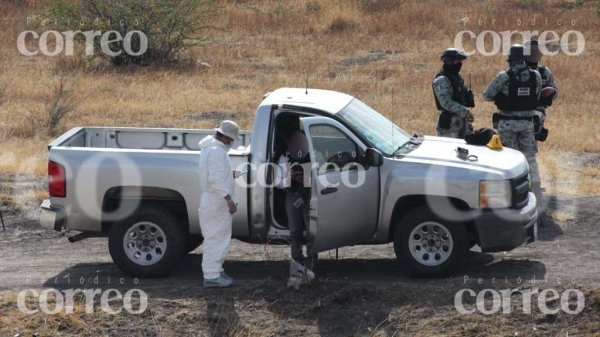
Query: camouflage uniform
x=533 y=56
x=459 y=127
x=547 y=81
x=517 y=134
x=452 y=98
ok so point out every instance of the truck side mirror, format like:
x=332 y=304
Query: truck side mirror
x=373 y=157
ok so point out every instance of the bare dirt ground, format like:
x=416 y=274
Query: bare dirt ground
x=364 y=292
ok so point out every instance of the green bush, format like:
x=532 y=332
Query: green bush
x=170 y=25
x=572 y=4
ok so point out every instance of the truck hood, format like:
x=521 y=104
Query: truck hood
x=508 y=163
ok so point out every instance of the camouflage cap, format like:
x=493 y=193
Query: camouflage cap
x=453 y=54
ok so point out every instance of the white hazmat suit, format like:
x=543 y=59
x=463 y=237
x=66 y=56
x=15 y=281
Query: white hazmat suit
x=216 y=181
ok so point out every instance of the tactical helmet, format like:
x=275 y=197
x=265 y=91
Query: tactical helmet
x=453 y=53
x=515 y=53
x=532 y=51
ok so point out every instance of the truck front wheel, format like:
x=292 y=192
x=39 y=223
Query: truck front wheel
x=430 y=245
x=149 y=243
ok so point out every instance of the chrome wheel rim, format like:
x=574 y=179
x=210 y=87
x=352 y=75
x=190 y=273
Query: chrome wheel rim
x=145 y=243
x=430 y=243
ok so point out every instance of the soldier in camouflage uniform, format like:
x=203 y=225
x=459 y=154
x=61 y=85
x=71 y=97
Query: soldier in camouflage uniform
x=452 y=98
x=533 y=56
x=516 y=93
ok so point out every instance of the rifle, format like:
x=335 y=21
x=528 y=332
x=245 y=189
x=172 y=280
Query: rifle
x=470 y=101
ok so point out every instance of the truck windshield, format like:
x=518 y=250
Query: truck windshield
x=380 y=131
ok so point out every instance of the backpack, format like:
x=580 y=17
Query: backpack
x=480 y=136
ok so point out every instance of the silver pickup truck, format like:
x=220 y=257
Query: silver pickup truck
x=371 y=183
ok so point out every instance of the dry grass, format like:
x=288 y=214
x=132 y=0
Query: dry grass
x=394 y=311
x=23 y=157
x=41 y=323
x=384 y=52
x=4 y=84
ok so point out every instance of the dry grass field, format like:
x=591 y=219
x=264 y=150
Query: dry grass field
x=383 y=51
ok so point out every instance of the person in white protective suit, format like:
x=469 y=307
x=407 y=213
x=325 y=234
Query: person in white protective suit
x=217 y=202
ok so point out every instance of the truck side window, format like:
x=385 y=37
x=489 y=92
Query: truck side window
x=332 y=148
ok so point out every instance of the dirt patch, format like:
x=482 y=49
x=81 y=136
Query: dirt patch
x=20 y=197
x=574 y=173
x=363 y=293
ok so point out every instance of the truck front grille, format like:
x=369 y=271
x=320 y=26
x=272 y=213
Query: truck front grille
x=520 y=191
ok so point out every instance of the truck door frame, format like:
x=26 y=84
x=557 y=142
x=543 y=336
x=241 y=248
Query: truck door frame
x=275 y=228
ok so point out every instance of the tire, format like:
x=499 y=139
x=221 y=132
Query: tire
x=149 y=243
x=193 y=242
x=429 y=245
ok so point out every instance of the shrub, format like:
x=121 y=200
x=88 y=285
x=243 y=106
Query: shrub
x=532 y=4
x=171 y=26
x=341 y=25
x=572 y=4
x=313 y=7
x=378 y=6
x=59 y=102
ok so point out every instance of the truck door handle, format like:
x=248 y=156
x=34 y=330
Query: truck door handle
x=329 y=190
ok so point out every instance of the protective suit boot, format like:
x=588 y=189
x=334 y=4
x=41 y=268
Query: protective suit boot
x=227 y=277
x=219 y=282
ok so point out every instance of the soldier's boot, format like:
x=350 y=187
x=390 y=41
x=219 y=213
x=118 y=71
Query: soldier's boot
x=299 y=274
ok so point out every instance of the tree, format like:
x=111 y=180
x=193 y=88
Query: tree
x=171 y=26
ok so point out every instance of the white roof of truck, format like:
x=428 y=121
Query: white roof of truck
x=324 y=100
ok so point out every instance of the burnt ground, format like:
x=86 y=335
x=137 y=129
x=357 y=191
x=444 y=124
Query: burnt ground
x=365 y=292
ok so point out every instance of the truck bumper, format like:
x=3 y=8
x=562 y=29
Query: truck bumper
x=52 y=216
x=505 y=229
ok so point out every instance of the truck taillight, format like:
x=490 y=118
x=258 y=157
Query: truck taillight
x=57 y=184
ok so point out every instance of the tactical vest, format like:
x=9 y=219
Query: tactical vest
x=543 y=74
x=521 y=95
x=459 y=91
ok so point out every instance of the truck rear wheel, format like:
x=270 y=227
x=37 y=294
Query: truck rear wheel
x=193 y=242
x=430 y=246
x=149 y=243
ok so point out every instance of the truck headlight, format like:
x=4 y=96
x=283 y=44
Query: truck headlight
x=494 y=194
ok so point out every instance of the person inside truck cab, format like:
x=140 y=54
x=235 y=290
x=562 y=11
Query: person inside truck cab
x=292 y=174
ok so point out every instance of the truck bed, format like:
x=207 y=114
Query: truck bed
x=140 y=138
x=153 y=162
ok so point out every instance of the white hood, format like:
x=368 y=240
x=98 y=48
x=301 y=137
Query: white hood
x=439 y=150
x=208 y=141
